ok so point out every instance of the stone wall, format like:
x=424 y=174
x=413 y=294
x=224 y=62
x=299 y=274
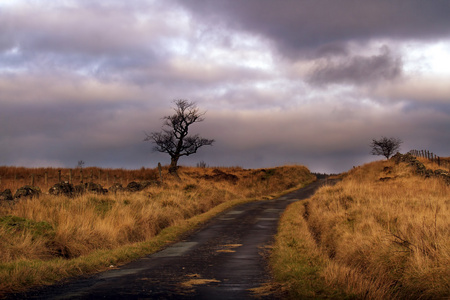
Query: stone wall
x=419 y=168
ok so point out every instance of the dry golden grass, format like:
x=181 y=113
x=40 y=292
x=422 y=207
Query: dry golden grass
x=433 y=165
x=376 y=239
x=15 y=177
x=58 y=229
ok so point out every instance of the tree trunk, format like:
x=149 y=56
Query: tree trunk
x=174 y=167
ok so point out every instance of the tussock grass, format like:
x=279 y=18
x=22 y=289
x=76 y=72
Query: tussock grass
x=369 y=238
x=52 y=237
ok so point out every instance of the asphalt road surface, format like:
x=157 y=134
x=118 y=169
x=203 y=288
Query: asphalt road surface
x=224 y=259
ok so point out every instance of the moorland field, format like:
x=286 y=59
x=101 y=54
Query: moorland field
x=47 y=238
x=381 y=232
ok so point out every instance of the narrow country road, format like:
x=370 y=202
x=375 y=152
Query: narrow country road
x=222 y=260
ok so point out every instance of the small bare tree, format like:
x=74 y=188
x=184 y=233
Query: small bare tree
x=174 y=138
x=385 y=146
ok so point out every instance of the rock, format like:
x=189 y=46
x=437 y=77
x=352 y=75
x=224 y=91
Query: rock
x=78 y=189
x=147 y=183
x=428 y=173
x=116 y=187
x=139 y=186
x=89 y=187
x=6 y=195
x=221 y=175
x=27 y=191
x=62 y=188
x=420 y=168
x=387 y=170
x=134 y=187
x=440 y=172
x=94 y=188
x=386 y=178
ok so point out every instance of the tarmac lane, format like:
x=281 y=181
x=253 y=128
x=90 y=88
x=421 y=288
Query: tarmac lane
x=225 y=259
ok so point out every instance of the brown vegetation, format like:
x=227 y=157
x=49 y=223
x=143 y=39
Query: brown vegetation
x=381 y=233
x=15 y=177
x=58 y=228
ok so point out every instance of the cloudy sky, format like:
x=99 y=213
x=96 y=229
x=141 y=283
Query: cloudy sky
x=282 y=81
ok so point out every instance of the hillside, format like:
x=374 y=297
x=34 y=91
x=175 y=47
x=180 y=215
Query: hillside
x=380 y=233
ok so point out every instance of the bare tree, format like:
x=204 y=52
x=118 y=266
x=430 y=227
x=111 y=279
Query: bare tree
x=174 y=138
x=385 y=146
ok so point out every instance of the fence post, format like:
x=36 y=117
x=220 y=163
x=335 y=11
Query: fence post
x=159 y=169
x=32 y=179
x=59 y=175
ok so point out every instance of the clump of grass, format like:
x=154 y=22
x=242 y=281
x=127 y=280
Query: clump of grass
x=16 y=225
x=85 y=225
x=376 y=239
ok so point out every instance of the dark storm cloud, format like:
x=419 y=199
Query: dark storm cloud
x=357 y=69
x=304 y=25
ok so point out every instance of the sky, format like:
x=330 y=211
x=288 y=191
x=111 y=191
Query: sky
x=308 y=82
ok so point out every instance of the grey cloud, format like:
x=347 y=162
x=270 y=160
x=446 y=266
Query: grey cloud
x=358 y=69
x=85 y=81
x=297 y=26
x=327 y=136
x=105 y=43
x=419 y=90
x=61 y=134
x=137 y=44
x=332 y=50
x=319 y=138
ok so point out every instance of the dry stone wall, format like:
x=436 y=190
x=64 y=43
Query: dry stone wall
x=420 y=168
